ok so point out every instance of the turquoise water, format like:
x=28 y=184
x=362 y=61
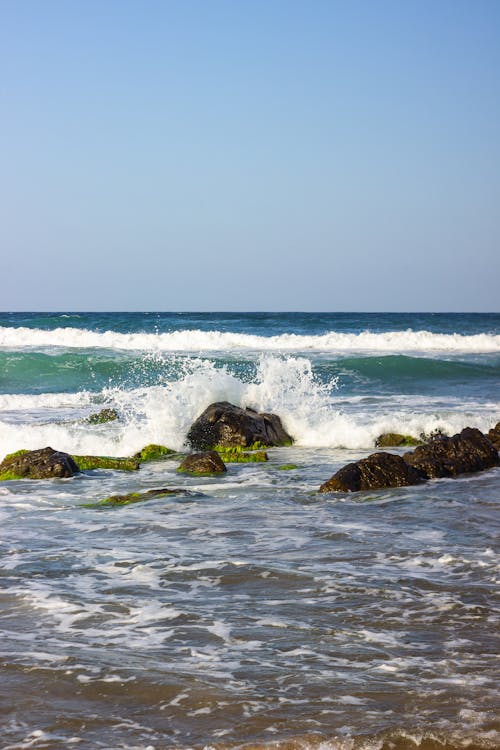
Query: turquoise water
x=258 y=612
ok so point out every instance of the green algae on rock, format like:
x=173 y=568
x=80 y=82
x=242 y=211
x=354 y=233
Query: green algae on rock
x=103 y=416
x=139 y=497
x=287 y=467
x=45 y=463
x=395 y=439
x=85 y=463
x=237 y=455
x=153 y=452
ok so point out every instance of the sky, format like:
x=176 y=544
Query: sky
x=250 y=155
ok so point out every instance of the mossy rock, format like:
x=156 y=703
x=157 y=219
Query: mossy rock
x=8 y=475
x=287 y=467
x=103 y=416
x=153 y=452
x=43 y=463
x=395 y=440
x=22 y=452
x=237 y=455
x=205 y=464
x=85 y=463
x=139 y=497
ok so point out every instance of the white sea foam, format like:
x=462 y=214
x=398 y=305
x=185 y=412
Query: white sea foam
x=312 y=411
x=219 y=341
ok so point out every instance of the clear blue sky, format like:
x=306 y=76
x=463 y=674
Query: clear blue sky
x=250 y=155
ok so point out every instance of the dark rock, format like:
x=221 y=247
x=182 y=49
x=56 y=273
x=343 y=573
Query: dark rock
x=465 y=452
x=223 y=424
x=45 y=463
x=373 y=473
x=494 y=436
x=105 y=415
x=395 y=440
x=205 y=463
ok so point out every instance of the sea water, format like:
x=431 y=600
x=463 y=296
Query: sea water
x=258 y=612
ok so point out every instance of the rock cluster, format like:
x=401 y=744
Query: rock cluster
x=468 y=451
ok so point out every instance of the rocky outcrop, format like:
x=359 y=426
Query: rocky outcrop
x=373 y=473
x=45 y=463
x=494 y=436
x=465 y=452
x=203 y=464
x=395 y=440
x=226 y=425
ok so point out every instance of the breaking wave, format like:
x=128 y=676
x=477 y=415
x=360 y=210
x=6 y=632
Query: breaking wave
x=218 y=341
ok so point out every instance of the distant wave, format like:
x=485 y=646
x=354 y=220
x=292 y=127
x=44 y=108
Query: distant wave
x=218 y=341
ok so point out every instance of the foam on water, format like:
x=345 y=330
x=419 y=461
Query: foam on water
x=313 y=412
x=218 y=341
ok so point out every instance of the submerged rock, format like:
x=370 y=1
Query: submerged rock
x=468 y=451
x=140 y=497
x=45 y=463
x=100 y=417
x=395 y=440
x=373 y=473
x=203 y=464
x=153 y=452
x=223 y=424
x=106 y=462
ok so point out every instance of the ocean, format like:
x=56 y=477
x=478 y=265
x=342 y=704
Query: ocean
x=256 y=613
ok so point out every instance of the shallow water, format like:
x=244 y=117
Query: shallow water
x=258 y=613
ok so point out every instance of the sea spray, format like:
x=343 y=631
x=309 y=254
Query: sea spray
x=313 y=410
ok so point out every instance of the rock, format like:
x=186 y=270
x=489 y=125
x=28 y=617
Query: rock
x=223 y=424
x=140 y=497
x=105 y=415
x=45 y=463
x=153 y=452
x=394 y=440
x=494 y=436
x=373 y=473
x=465 y=452
x=106 y=462
x=202 y=464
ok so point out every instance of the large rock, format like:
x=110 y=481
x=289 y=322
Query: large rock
x=45 y=463
x=375 y=472
x=223 y=424
x=205 y=463
x=468 y=451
